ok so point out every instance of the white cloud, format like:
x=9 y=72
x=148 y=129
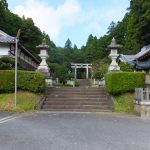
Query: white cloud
x=114 y=14
x=90 y=19
x=98 y=19
x=48 y=18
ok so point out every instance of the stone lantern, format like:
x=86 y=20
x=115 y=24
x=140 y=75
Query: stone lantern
x=43 y=67
x=114 y=55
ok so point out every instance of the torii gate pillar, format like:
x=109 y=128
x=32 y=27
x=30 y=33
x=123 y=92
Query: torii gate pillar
x=80 y=65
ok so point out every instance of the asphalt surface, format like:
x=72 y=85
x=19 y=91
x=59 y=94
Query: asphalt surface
x=5 y=114
x=74 y=131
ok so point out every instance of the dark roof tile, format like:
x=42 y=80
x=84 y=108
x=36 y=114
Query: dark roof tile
x=5 y=38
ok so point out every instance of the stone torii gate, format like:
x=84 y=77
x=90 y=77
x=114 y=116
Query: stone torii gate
x=75 y=66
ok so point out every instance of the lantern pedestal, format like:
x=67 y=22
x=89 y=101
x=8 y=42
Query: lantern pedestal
x=114 y=65
x=114 y=55
x=43 y=67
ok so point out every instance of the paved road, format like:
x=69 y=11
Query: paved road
x=75 y=131
x=4 y=114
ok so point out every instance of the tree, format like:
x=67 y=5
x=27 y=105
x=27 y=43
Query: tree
x=96 y=49
x=7 y=63
x=145 y=23
x=111 y=27
x=59 y=71
x=75 y=47
x=4 y=4
x=2 y=14
x=100 y=68
x=90 y=48
x=31 y=36
x=138 y=26
x=68 y=44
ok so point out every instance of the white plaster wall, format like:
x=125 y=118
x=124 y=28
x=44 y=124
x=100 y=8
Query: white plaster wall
x=4 y=50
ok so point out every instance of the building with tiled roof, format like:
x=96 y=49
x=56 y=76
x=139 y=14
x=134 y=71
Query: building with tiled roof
x=140 y=61
x=25 y=59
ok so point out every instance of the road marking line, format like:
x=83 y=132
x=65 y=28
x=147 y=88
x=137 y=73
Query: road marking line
x=6 y=119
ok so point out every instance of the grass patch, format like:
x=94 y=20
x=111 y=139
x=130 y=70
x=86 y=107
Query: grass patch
x=124 y=103
x=26 y=101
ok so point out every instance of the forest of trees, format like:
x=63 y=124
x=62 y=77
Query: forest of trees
x=133 y=32
x=31 y=35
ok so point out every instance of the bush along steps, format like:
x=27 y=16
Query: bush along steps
x=122 y=82
x=27 y=81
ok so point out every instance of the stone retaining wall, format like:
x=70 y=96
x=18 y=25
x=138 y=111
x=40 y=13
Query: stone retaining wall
x=142 y=110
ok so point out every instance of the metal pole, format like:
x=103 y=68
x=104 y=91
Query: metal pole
x=87 y=71
x=16 y=66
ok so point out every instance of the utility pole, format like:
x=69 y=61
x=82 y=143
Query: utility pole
x=16 y=66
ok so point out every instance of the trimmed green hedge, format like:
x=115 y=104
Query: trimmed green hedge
x=27 y=81
x=121 y=82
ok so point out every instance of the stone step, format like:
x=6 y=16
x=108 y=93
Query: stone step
x=84 y=82
x=76 y=107
x=84 y=99
x=78 y=110
x=60 y=102
x=75 y=89
x=76 y=93
x=76 y=96
x=76 y=99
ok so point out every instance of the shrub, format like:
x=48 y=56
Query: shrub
x=77 y=83
x=60 y=84
x=68 y=85
x=100 y=68
x=27 y=81
x=7 y=63
x=59 y=71
x=7 y=80
x=125 y=67
x=121 y=82
x=31 y=81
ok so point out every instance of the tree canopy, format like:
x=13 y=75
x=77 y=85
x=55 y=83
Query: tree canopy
x=31 y=35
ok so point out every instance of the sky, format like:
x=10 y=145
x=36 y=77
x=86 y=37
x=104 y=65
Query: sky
x=73 y=19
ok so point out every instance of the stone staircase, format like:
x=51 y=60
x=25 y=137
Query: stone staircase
x=84 y=82
x=80 y=99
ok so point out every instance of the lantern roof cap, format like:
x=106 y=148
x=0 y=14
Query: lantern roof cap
x=113 y=44
x=43 y=45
